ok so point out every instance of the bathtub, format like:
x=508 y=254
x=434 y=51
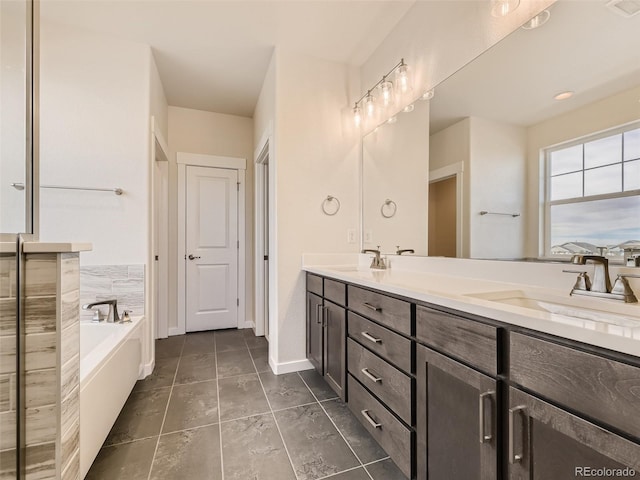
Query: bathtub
x=110 y=358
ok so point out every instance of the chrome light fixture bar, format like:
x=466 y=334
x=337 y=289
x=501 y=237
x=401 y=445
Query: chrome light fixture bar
x=367 y=104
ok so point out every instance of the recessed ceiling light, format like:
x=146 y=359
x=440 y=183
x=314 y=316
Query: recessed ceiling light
x=538 y=20
x=408 y=108
x=563 y=95
x=393 y=119
x=428 y=95
x=502 y=8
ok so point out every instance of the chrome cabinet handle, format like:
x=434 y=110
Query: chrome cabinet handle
x=370 y=337
x=371 y=376
x=484 y=436
x=318 y=313
x=374 y=424
x=372 y=307
x=325 y=315
x=515 y=454
x=191 y=257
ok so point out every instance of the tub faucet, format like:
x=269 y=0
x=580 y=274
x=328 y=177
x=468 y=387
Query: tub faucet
x=112 y=316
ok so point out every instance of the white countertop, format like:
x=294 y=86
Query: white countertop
x=456 y=292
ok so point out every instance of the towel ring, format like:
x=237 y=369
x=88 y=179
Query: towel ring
x=391 y=206
x=326 y=205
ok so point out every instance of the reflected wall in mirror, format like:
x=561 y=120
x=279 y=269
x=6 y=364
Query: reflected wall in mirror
x=395 y=182
x=15 y=118
x=495 y=126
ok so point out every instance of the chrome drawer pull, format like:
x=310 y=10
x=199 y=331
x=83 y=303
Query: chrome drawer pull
x=374 y=424
x=372 y=307
x=370 y=337
x=484 y=436
x=371 y=376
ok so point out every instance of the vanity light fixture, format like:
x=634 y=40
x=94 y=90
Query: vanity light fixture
x=502 y=8
x=538 y=20
x=563 y=95
x=370 y=104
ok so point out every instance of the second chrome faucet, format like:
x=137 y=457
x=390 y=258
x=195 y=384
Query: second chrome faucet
x=600 y=286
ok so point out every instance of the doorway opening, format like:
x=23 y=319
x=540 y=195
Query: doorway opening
x=445 y=237
x=262 y=241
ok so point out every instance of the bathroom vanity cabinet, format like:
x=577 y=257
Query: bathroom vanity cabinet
x=451 y=395
x=326 y=330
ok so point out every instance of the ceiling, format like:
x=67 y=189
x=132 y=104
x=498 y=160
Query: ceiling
x=585 y=47
x=213 y=55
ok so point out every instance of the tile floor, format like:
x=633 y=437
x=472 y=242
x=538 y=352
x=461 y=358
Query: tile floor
x=212 y=409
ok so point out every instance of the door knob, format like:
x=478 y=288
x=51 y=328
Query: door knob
x=191 y=257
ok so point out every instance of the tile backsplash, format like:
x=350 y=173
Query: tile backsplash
x=103 y=282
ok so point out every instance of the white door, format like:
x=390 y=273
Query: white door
x=211 y=248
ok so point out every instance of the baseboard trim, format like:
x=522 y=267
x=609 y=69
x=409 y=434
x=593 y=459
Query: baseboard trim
x=175 y=331
x=146 y=369
x=289 y=367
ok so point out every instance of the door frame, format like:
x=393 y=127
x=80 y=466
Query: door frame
x=263 y=152
x=213 y=161
x=454 y=170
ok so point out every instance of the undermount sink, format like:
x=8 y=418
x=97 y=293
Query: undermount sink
x=591 y=310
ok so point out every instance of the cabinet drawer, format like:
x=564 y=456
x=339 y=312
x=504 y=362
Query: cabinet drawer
x=603 y=389
x=387 y=382
x=314 y=284
x=387 y=344
x=381 y=308
x=472 y=342
x=335 y=291
x=388 y=431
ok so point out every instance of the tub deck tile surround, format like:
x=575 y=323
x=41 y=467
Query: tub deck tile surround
x=255 y=433
x=104 y=282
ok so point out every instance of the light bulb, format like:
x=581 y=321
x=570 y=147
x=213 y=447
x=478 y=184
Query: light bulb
x=370 y=105
x=386 y=92
x=402 y=78
x=357 y=115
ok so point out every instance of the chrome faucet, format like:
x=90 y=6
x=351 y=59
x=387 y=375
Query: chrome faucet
x=377 y=262
x=601 y=284
x=404 y=250
x=112 y=316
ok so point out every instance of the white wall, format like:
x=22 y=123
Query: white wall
x=197 y=131
x=94 y=132
x=158 y=101
x=604 y=114
x=497 y=171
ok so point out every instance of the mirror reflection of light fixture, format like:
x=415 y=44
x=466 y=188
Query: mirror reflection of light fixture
x=428 y=95
x=409 y=108
x=538 y=20
x=502 y=8
x=368 y=104
x=393 y=120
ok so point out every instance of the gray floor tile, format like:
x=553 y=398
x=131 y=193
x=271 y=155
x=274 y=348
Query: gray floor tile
x=385 y=470
x=199 y=343
x=366 y=448
x=128 y=460
x=237 y=362
x=241 y=396
x=196 y=368
x=315 y=446
x=190 y=454
x=191 y=405
x=318 y=386
x=357 y=474
x=169 y=347
x=284 y=391
x=162 y=376
x=229 y=340
x=141 y=416
x=261 y=359
x=256 y=342
x=252 y=449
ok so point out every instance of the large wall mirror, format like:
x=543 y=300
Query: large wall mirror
x=16 y=100
x=515 y=173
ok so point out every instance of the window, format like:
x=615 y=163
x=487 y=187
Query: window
x=592 y=190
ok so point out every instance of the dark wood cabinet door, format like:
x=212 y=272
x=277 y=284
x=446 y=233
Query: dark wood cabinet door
x=457 y=435
x=334 y=346
x=548 y=443
x=315 y=331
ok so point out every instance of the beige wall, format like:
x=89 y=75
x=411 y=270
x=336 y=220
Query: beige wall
x=442 y=218
x=197 y=131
